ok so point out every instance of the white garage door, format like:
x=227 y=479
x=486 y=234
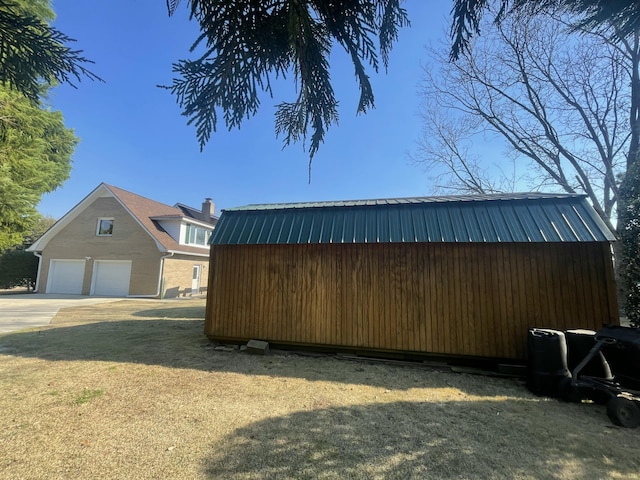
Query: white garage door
x=111 y=278
x=66 y=276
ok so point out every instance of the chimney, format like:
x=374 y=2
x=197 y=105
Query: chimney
x=208 y=207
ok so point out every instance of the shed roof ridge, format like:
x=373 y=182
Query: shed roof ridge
x=407 y=201
x=521 y=218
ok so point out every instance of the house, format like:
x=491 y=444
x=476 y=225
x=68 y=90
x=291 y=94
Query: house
x=117 y=243
x=463 y=276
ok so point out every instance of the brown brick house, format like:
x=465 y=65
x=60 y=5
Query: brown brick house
x=117 y=243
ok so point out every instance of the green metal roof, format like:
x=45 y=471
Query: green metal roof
x=520 y=217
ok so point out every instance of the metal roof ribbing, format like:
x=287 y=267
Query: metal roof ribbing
x=530 y=217
x=405 y=200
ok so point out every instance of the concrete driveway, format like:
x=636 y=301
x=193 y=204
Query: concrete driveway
x=37 y=309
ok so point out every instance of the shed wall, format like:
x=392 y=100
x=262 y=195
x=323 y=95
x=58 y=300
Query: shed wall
x=450 y=299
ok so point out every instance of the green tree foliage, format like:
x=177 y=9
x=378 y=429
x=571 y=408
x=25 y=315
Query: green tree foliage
x=249 y=43
x=42 y=224
x=35 y=158
x=629 y=233
x=32 y=52
x=595 y=15
x=35 y=146
x=18 y=269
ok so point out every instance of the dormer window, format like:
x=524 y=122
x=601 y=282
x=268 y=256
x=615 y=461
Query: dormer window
x=196 y=235
x=105 y=227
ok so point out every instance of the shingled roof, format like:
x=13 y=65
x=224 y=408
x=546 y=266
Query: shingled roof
x=518 y=217
x=148 y=213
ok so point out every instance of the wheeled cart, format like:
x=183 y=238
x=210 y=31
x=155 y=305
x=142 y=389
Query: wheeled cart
x=619 y=390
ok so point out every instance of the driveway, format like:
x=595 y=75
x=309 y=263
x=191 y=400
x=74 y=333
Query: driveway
x=38 y=309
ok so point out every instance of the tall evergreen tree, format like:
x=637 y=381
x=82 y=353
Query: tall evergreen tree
x=629 y=234
x=35 y=158
x=35 y=145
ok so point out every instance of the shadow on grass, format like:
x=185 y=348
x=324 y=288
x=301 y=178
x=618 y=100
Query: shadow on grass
x=175 y=312
x=182 y=344
x=419 y=440
x=171 y=343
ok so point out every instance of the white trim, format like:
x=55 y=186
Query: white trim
x=203 y=254
x=183 y=219
x=184 y=234
x=198 y=280
x=99 y=222
x=39 y=271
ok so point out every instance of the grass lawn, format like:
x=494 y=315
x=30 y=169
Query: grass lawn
x=133 y=390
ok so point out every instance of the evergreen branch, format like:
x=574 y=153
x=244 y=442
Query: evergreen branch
x=597 y=15
x=390 y=17
x=250 y=42
x=32 y=52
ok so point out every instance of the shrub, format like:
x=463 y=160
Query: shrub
x=18 y=269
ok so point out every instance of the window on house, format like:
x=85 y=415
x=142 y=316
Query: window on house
x=105 y=227
x=196 y=235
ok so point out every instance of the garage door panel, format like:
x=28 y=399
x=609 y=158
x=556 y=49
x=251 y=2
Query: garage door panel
x=66 y=277
x=111 y=278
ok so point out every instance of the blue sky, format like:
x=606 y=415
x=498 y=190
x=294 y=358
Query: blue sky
x=133 y=136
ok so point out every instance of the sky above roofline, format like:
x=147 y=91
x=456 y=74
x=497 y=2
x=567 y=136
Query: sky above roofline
x=134 y=136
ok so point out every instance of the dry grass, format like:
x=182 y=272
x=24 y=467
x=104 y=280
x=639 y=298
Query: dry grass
x=133 y=389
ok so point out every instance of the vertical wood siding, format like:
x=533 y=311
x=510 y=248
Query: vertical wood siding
x=451 y=299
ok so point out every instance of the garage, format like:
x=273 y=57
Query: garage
x=111 y=278
x=66 y=276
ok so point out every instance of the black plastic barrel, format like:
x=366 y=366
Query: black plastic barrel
x=546 y=361
x=579 y=343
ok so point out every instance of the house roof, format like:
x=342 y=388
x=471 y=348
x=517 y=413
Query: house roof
x=518 y=217
x=194 y=213
x=145 y=211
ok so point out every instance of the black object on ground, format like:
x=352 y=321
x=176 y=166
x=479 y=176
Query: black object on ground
x=547 y=361
x=620 y=388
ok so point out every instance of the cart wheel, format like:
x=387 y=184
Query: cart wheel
x=623 y=412
x=567 y=392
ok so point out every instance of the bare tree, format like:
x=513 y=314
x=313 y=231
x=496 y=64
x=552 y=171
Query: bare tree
x=561 y=104
x=450 y=148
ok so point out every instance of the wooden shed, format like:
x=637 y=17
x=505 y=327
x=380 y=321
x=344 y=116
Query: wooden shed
x=455 y=276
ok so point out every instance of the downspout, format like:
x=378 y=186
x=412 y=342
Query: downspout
x=159 y=288
x=39 y=255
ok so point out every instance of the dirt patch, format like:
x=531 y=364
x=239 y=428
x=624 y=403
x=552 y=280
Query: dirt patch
x=133 y=389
